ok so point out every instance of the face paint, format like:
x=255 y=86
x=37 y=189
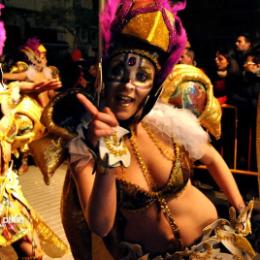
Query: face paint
x=130 y=79
x=131 y=68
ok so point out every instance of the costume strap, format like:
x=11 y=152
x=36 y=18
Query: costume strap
x=167 y=213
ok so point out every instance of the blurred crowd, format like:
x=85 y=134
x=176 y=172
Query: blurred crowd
x=236 y=83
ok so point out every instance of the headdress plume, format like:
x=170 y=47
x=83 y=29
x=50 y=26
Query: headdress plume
x=2 y=33
x=107 y=17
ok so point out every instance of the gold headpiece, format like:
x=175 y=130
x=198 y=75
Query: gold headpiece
x=151 y=27
x=153 y=57
x=42 y=49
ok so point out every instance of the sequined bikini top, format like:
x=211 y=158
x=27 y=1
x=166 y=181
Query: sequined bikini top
x=132 y=197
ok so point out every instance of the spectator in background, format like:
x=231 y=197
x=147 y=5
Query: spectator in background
x=188 y=57
x=246 y=98
x=226 y=75
x=251 y=79
x=251 y=76
x=79 y=68
x=252 y=65
x=76 y=73
x=92 y=70
x=243 y=45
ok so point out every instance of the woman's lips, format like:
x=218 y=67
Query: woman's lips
x=124 y=100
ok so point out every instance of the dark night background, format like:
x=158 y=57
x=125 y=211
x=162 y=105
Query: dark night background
x=213 y=23
x=209 y=24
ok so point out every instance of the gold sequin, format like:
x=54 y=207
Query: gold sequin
x=152 y=25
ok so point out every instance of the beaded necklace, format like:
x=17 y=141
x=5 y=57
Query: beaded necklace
x=161 y=200
x=142 y=165
x=169 y=154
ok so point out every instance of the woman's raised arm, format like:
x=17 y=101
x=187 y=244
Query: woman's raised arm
x=97 y=192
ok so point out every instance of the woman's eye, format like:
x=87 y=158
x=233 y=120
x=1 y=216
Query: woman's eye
x=117 y=71
x=142 y=76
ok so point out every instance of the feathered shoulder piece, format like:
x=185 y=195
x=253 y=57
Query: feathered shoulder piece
x=181 y=125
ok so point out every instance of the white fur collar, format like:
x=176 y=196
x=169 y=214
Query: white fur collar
x=181 y=125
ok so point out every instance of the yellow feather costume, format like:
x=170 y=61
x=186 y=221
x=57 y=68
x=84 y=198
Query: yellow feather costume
x=19 y=125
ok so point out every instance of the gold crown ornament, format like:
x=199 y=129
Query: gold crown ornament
x=153 y=27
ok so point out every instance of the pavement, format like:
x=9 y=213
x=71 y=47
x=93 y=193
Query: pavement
x=45 y=199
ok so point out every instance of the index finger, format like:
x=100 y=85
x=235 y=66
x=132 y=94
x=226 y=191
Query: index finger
x=87 y=104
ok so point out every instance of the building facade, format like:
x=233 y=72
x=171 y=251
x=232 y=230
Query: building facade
x=61 y=25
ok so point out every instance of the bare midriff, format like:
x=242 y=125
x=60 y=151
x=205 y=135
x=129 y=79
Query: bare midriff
x=149 y=227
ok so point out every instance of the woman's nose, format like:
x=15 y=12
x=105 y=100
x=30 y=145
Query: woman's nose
x=128 y=81
x=129 y=85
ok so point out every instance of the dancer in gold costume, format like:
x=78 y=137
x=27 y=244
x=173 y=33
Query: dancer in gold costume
x=20 y=225
x=36 y=79
x=36 y=71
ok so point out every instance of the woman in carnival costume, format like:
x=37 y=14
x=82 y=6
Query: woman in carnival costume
x=20 y=225
x=130 y=165
x=37 y=71
x=36 y=79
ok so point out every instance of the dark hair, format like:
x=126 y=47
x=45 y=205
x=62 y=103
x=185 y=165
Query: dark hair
x=227 y=52
x=233 y=67
x=247 y=36
x=255 y=55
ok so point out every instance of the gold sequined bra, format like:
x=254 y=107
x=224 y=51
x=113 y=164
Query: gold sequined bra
x=132 y=197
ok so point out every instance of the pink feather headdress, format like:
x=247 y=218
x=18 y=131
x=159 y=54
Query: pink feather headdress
x=153 y=26
x=33 y=44
x=2 y=33
x=32 y=49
